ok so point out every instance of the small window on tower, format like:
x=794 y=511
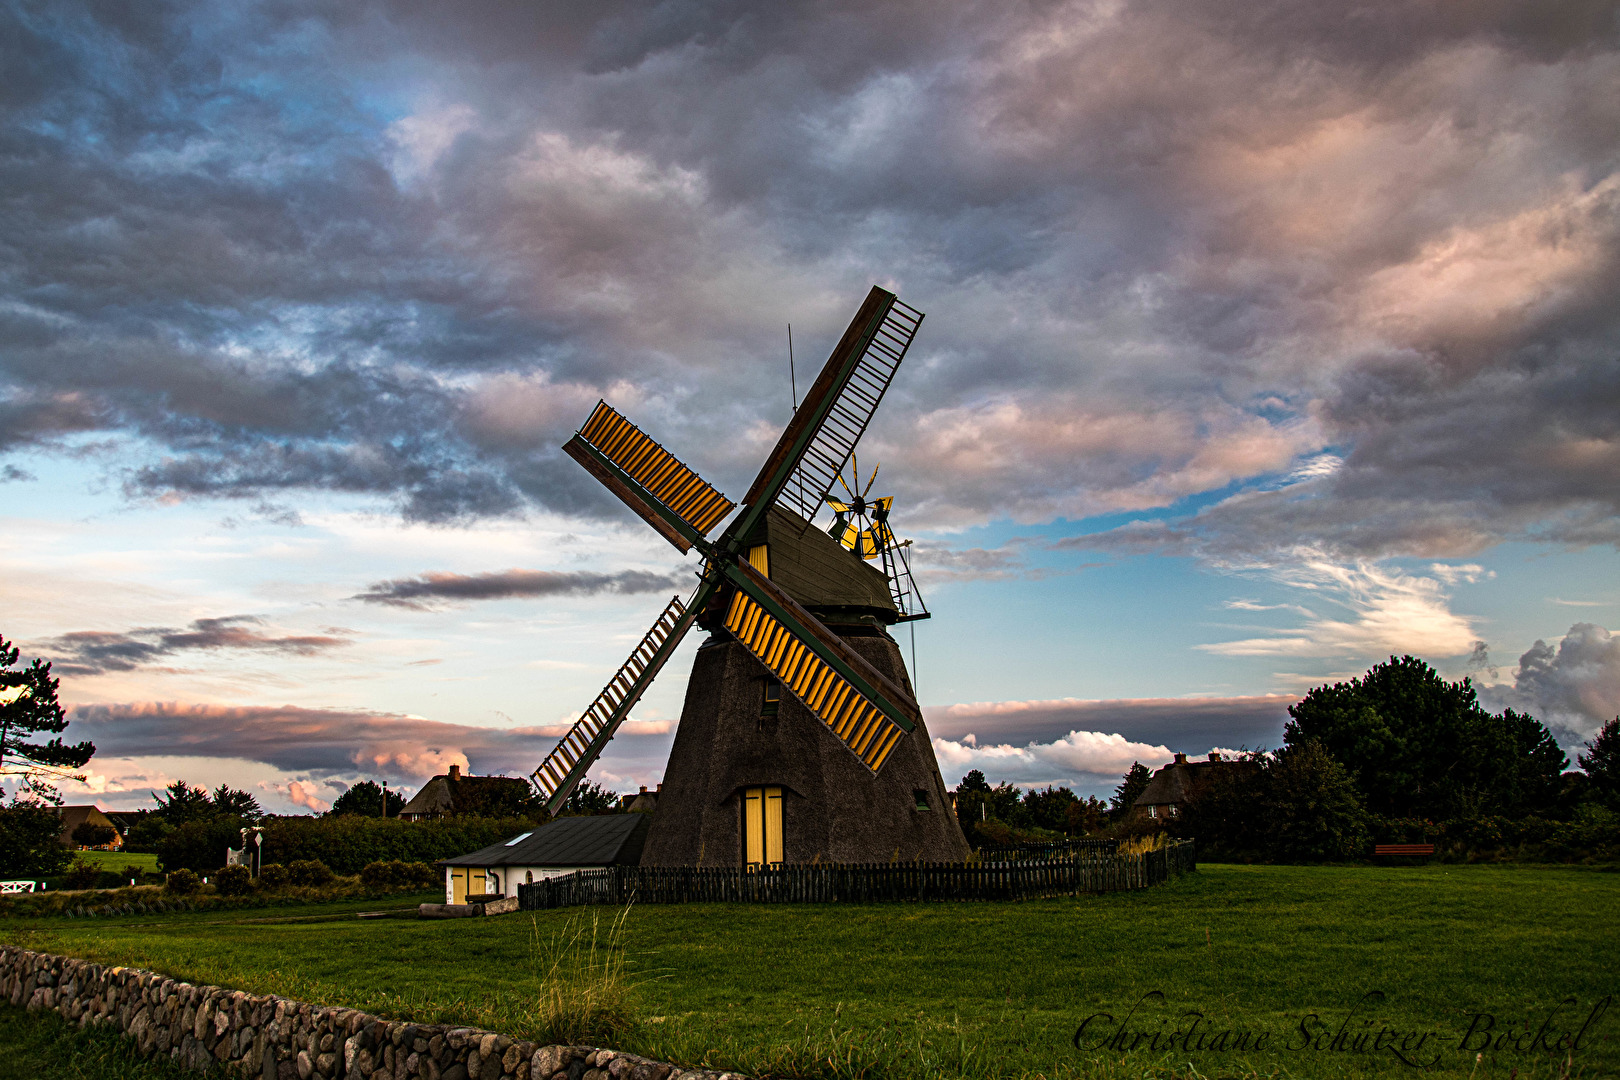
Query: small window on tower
x=921 y=798
x=773 y=698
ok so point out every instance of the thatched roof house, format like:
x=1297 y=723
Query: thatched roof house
x=452 y=793
x=1174 y=784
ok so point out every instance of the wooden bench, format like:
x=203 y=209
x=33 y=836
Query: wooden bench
x=1403 y=849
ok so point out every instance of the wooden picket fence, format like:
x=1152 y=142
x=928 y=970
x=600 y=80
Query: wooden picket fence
x=1051 y=849
x=862 y=883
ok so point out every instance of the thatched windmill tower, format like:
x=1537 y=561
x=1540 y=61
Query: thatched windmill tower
x=800 y=738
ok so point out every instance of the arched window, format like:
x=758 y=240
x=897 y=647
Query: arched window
x=528 y=877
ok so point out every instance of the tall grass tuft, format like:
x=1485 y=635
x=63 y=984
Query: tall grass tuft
x=586 y=993
x=1141 y=845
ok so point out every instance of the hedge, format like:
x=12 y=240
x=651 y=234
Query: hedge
x=346 y=844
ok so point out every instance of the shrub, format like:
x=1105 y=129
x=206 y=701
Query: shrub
x=183 y=882
x=397 y=872
x=348 y=843
x=272 y=876
x=81 y=875
x=200 y=845
x=308 y=872
x=234 y=881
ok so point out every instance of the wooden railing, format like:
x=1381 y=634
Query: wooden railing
x=861 y=883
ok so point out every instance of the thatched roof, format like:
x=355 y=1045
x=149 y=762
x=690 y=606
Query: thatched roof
x=454 y=793
x=1175 y=783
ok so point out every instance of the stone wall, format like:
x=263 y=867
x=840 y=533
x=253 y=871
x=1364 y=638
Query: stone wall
x=274 y=1038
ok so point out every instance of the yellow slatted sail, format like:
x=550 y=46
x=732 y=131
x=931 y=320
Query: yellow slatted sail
x=656 y=469
x=857 y=721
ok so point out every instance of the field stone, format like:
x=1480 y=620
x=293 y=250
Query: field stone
x=305 y=1066
x=510 y=1059
x=457 y=1071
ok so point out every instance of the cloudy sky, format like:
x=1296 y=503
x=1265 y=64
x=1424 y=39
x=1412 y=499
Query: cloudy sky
x=1263 y=341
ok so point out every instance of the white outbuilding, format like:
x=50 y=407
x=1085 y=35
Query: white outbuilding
x=558 y=847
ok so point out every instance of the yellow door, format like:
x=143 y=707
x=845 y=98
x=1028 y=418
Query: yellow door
x=458 y=885
x=762 y=826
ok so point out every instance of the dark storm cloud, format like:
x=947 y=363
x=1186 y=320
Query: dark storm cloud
x=96 y=652
x=423 y=590
x=1167 y=250
x=319 y=742
x=1574 y=688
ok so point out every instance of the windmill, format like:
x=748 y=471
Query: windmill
x=798 y=709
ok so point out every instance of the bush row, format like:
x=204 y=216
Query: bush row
x=345 y=844
x=302 y=882
x=1592 y=835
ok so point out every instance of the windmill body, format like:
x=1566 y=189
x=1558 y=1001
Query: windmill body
x=801 y=737
x=737 y=738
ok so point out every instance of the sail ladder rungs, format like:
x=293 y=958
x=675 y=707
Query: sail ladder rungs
x=576 y=742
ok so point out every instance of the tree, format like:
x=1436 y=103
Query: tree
x=29 y=847
x=1134 y=783
x=1601 y=763
x=1309 y=807
x=1085 y=817
x=28 y=706
x=89 y=834
x=232 y=803
x=1050 y=808
x=184 y=804
x=1224 y=809
x=1416 y=745
x=365 y=799
x=587 y=799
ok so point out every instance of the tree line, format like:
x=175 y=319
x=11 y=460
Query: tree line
x=1399 y=754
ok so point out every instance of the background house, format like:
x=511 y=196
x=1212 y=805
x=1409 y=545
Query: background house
x=561 y=847
x=1171 y=787
x=643 y=802
x=488 y=796
x=86 y=827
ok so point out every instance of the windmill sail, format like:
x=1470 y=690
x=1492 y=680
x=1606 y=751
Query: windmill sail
x=862 y=707
x=804 y=466
x=654 y=483
x=578 y=750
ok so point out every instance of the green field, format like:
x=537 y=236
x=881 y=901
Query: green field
x=990 y=989
x=117 y=860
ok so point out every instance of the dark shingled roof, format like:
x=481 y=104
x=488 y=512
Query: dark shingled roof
x=569 y=841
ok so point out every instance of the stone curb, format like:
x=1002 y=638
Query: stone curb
x=276 y=1038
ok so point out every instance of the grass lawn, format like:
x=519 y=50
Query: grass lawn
x=953 y=990
x=117 y=860
x=46 y=1047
